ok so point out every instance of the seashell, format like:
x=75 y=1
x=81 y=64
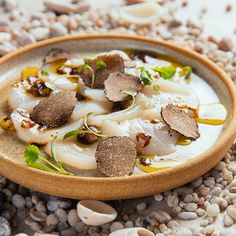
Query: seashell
x=136 y=231
x=95 y=213
x=141 y=14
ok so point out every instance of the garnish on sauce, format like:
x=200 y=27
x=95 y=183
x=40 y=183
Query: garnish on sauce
x=32 y=156
x=145 y=76
x=178 y=120
x=187 y=71
x=115 y=156
x=165 y=72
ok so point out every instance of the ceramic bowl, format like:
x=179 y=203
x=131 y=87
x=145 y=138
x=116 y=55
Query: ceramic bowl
x=12 y=164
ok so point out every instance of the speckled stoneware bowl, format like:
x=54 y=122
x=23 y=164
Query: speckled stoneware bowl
x=11 y=149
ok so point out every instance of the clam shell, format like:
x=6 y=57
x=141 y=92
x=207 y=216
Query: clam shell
x=142 y=13
x=136 y=231
x=95 y=213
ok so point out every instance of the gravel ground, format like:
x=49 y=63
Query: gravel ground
x=206 y=206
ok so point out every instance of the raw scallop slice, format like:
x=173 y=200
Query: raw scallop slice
x=74 y=155
x=33 y=134
x=162 y=141
x=19 y=98
x=83 y=108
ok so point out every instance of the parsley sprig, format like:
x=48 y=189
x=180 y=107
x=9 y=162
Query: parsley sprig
x=32 y=156
x=87 y=131
x=101 y=64
x=166 y=72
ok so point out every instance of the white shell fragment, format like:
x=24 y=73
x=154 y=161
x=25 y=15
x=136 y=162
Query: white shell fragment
x=136 y=231
x=141 y=14
x=95 y=213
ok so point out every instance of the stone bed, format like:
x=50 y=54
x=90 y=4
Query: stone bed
x=206 y=206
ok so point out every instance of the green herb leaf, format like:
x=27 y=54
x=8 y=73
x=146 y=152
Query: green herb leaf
x=31 y=154
x=101 y=64
x=72 y=133
x=44 y=73
x=165 y=72
x=51 y=86
x=145 y=77
x=187 y=71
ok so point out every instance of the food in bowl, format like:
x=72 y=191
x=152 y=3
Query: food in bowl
x=117 y=113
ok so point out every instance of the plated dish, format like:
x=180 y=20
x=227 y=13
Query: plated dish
x=115 y=113
x=102 y=115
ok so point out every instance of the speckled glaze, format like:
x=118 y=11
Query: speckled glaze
x=103 y=188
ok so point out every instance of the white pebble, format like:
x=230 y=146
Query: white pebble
x=40 y=33
x=25 y=38
x=190 y=206
x=58 y=29
x=210 y=229
x=141 y=206
x=158 y=197
x=172 y=199
x=228 y=221
x=116 y=226
x=184 y=232
x=4 y=36
x=212 y=210
x=62 y=215
x=52 y=219
x=231 y=211
x=73 y=218
x=185 y=215
x=18 y=201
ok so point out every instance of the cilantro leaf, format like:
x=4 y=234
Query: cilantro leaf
x=187 y=71
x=72 y=133
x=31 y=154
x=165 y=72
x=101 y=64
x=44 y=73
x=145 y=77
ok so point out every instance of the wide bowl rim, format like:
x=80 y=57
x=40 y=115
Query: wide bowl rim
x=227 y=135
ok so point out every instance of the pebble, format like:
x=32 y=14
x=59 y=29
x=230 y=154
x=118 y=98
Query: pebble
x=58 y=29
x=212 y=210
x=40 y=206
x=69 y=232
x=40 y=33
x=228 y=221
x=231 y=211
x=4 y=36
x=172 y=200
x=184 y=232
x=25 y=38
x=141 y=206
x=37 y=215
x=158 y=197
x=73 y=218
x=18 y=201
x=62 y=6
x=225 y=44
x=62 y=215
x=190 y=206
x=52 y=219
x=5 y=229
x=185 y=215
x=56 y=203
x=116 y=225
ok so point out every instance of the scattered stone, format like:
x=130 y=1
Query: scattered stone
x=37 y=215
x=18 y=201
x=40 y=33
x=24 y=38
x=212 y=210
x=191 y=207
x=185 y=215
x=228 y=221
x=57 y=29
x=52 y=219
x=174 y=24
x=158 y=197
x=116 y=226
x=115 y=156
x=55 y=110
x=5 y=229
x=225 y=44
x=73 y=218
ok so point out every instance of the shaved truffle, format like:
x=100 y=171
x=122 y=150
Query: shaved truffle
x=118 y=84
x=178 y=120
x=55 y=54
x=111 y=63
x=115 y=156
x=55 y=110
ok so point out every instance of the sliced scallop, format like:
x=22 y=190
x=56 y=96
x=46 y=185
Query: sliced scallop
x=75 y=155
x=34 y=134
x=19 y=98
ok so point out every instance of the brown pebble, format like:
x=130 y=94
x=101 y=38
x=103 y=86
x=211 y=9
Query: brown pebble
x=113 y=63
x=55 y=54
x=213 y=39
x=174 y=24
x=178 y=120
x=55 y=110
x=225 y=44
x=115 y=156
x=229 y=8
x=118 y=84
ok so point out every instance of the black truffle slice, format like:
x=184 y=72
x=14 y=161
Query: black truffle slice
x=178 y=120
x=55 y=54
x=55 y=110
x=118 y=84
x=115 y=156
x=111 y=64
